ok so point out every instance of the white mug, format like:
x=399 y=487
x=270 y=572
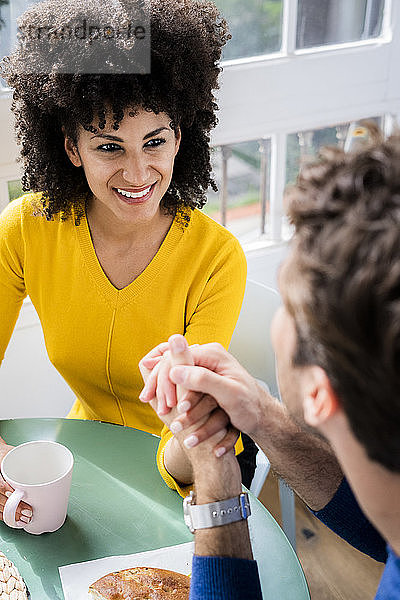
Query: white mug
x=40 y=473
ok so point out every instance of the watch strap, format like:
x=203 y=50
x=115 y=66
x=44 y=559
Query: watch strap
x=216 y=514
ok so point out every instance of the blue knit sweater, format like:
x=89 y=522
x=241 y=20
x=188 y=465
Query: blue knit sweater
x=218 y=578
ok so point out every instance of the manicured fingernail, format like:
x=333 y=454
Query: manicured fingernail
x=143 y=395
x=183 y=406
x=177 y=344
x=8 y=494
x=220 y=452
x=24 y=519
x=27 y=513
x=176 y=427
x=191 y=441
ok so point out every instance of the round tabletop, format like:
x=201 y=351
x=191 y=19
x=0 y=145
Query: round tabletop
x=120 y=505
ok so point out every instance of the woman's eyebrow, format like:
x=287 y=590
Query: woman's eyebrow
x=155 y=132
x=106 y=136
x=114 y=138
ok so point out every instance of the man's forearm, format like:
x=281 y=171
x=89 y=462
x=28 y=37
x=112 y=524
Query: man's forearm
x=219 y=479
x=304 y=460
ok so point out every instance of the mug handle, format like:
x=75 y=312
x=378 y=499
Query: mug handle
x=10 y=508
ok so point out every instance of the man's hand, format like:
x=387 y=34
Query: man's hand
x=218 y=374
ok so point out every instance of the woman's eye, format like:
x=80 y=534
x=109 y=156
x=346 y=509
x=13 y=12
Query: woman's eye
x=109 y=147
x=155 y=142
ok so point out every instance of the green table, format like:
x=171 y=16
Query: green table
x=120 y=505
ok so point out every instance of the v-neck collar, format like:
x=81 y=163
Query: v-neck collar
x=134 y=289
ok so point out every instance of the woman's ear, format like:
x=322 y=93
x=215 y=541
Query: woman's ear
x=71 y=150
x=320 y=402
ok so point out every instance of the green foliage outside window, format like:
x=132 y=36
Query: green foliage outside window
x=14 y=189
x=255 y=26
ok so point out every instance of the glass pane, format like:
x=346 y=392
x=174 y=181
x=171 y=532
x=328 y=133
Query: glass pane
x=14 y=189
x=321 y=22
x=255 y=26
x=305 y=145
x=244 y=174
x=3 y=4
x=10 y=10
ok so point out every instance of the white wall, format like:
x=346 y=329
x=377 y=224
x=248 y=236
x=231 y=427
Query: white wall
x=29 y=384
x=263 y=264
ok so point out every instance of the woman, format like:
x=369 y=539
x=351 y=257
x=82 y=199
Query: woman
x=109 y=245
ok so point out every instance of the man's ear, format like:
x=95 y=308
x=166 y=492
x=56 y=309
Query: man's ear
x=71 y=150
x=320 y=402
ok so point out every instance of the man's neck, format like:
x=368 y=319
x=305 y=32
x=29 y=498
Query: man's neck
x=377 y=489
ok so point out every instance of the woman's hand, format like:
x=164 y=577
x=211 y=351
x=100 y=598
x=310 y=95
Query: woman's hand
x=155 y=367
x=24 y=511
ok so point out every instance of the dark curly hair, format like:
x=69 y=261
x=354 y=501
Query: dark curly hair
x=342 y=286
x=186 y=41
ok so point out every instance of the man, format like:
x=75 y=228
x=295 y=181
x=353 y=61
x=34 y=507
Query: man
x=337 y=343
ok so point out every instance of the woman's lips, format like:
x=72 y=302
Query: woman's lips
x=130 y=201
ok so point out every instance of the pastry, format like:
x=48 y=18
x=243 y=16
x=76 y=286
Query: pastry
x=141 y=583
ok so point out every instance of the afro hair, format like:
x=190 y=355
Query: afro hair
x=186 y=41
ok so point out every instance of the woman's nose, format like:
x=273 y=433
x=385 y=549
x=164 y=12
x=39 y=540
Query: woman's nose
x=136 y=172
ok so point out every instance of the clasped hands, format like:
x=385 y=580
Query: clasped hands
x=192 y=416
x=200 y=392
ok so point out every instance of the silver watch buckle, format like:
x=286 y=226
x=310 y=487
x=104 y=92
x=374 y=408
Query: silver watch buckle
x=187 y=517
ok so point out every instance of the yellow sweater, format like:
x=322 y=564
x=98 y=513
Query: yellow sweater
x=96 y=334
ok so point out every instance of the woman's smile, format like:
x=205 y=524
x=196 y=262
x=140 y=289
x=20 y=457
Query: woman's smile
x=135 y=196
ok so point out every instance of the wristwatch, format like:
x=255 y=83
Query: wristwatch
x=215 y=514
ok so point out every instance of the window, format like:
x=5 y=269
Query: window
x=14 y=189
x=243 y=175
x=10 y=10
x=241 y=172
x=255 y=26
x=305 y=145
x=329 y=73
x=321 y=22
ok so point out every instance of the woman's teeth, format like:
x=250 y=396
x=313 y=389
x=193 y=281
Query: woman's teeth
x=133 y=194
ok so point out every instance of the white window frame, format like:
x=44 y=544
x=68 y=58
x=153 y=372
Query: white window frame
x=298 y=90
